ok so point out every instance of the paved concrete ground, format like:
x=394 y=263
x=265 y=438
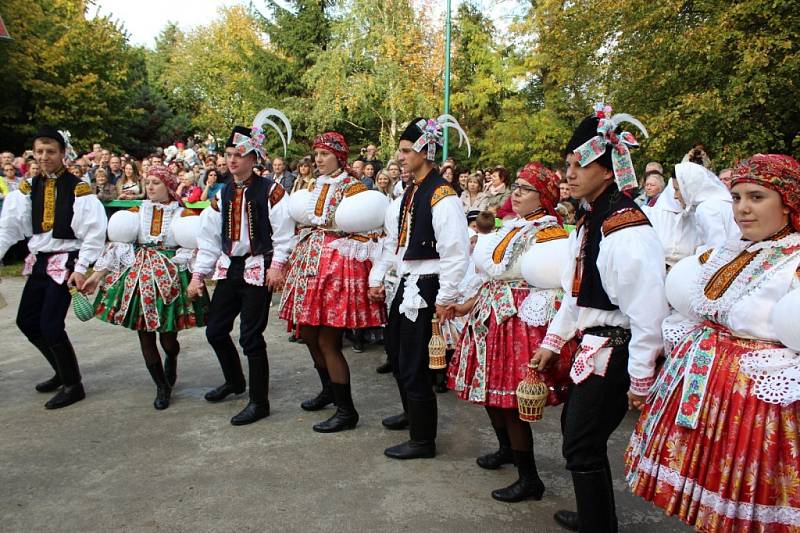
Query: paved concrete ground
x=113 y=463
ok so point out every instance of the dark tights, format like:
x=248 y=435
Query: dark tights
x=325 y=345
x=169 y=343
x=519 y=432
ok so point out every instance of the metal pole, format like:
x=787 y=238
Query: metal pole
x=446 y=77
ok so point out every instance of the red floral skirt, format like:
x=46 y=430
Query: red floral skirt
x=326 y=288
x=488 y=365
x=739 y=469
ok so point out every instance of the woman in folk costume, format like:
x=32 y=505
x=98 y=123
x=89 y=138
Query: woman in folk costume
x=143 y=276
x=718 y=443
x=326 y=287
x=507 y=321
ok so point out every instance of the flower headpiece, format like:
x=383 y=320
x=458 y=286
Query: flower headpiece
x=619 y=143
x=254 y=142
x=69 y=151
x=433 y=134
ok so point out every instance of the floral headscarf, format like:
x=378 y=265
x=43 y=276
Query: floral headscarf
x=778 y=172
x=545 y=181
x=169 y=179
x=334 y=142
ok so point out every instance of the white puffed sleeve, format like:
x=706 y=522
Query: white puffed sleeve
x=388 y=257
x=209 y=242
x=632 y=268
x=452 y=245
x=282 y=231
x=89 y=224
x=15 y=220
x=564 y=325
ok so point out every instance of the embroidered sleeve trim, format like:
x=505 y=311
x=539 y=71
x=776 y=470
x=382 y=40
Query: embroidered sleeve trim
x=551 y=234
x=553 y=342
x=441 y=192
x=641 y=386
x=25 y=187
x=83 y=189
x=276 y=195
x=624 y=218
x=705 y=256
x=355 y=189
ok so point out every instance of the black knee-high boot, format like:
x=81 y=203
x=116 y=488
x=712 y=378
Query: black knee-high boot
x=258 y=407
x=423 y=418
x=324 y=398
x=70 y=375
x=503 y=455
x=346 y=416
x=398 y=422
x=163 y=389
x=53 y=383
x=171 y=362
x=527 y=486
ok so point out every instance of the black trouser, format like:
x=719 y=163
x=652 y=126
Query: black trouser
x=233 y=296
x=41 y=317
x=593 y=410
x=407 y=341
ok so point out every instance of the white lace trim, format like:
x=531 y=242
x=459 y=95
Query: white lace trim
x=776 y=374
x=146 y=218
x=116 y=257
x=360 y=251
x=519 y=243
x=412 y=299
x=184 y=259
x=744 y=283
x=538 y=308
x=763 y=514
x=327 y=217
x=674 y=329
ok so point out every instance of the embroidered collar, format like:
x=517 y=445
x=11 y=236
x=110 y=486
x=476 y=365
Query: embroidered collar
x=536 y=215
x=511 y=241
x=324 y=199
x=55 y=175
x=784 y=238
x=244 y=184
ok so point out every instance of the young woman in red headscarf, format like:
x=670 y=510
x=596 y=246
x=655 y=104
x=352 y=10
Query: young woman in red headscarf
x=718 y=441
x=143 y=283
x=507 y=320
x=326 y=286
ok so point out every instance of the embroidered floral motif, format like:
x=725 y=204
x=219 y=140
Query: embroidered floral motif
x=157 y=220
x=441 y=192
x=277 y=194
x=624 y=218
x=48 y=218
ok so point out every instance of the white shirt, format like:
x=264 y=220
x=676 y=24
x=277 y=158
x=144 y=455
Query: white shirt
x=452 y=245
x=632 y=270
x=209 y=241
x=89 y=223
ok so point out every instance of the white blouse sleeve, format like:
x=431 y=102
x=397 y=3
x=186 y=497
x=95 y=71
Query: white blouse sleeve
x=282 y=231
x=631 y=265
x=564 y=325
x=209 y=242
x=15 y=220
x=452 y=244
x=89 y=224
x=388 y=257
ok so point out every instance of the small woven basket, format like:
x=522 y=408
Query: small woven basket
x=531 y=396
x=437 y=348
x=81 y=305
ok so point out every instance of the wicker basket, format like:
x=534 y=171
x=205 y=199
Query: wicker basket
x=437 y=348
x=531 y=396
x=81 y=305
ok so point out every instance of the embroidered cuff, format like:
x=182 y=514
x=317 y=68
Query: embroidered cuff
x=198 y=276
x=553 y=342
x=80 y=267
x=641 y=386
x=276 y=265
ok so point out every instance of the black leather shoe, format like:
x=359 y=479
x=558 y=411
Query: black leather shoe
x=49 y=385
x=341 y=420
x=567 y=519
x=412 y=450
x=162 y=398
x=521 y=489
x=385 y=368
x=66 y=396
x=395 y=422
x=171 y=370
x=223 y=391
x=251 y=413
x=494 y=460
x=320 y=401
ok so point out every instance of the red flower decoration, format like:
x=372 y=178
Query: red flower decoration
x=706 y=345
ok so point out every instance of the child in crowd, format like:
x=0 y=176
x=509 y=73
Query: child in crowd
x=484 y=222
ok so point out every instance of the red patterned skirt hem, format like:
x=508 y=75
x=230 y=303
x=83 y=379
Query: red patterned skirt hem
x=738 y=470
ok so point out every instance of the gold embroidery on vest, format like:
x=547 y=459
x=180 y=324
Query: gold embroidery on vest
x=48 y=218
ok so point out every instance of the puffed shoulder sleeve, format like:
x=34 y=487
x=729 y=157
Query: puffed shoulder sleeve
x=15 y=218
x=89 y=223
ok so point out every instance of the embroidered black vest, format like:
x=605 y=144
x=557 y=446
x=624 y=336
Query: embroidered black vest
x=590 y=290
x=57 y=210
x=256 y=200
x=422 y=239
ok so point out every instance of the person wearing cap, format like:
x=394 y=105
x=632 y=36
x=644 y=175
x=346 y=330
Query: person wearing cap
x=244 y=240
x=326 y=286
x=717 y=443
x=66 y=224
x=430 y=250
x=614 y=295
x=506 y=321
x=143 y=283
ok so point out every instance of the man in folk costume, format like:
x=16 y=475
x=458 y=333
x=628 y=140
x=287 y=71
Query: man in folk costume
x=431 y=248
x=244 y=241
x=66 y=224
x=614 y=297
